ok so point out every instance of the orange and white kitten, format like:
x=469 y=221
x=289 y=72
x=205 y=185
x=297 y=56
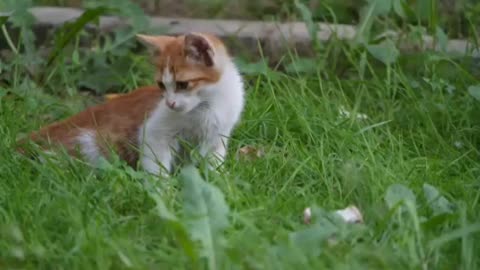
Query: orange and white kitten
x=199 y=99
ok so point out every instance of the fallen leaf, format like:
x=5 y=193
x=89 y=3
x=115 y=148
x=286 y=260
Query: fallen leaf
x=250 y=152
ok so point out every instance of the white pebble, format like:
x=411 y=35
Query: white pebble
x=307 y=215
x=350 y=214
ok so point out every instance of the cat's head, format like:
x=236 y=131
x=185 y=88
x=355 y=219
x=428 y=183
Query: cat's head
x=186 y=66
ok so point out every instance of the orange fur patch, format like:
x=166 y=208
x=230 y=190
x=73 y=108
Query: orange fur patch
x=115 y=122
x=171 y=55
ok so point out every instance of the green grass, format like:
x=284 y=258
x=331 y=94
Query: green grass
x=412 y=166
x=63 y=214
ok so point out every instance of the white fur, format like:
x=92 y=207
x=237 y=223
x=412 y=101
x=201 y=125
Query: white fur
x=88 y=146
x=204 y=118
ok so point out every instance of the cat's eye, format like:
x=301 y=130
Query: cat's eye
x=161 y=85
x=181 y=85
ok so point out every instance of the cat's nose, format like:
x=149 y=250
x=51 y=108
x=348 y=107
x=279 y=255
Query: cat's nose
x=171 y=104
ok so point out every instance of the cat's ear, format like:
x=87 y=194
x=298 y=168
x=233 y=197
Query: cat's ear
x=199 y=50
x=156 y=44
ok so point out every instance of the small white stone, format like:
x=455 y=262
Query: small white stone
x=362 y=116
x=350 y=214
x=307 y=215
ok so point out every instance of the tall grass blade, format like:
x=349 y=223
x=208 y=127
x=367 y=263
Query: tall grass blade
x=70 y=30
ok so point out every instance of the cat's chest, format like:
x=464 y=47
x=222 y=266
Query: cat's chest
x=196 y=126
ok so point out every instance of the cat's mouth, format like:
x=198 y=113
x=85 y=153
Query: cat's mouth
x=178 y=109
x=174 y=106
x=199 y=108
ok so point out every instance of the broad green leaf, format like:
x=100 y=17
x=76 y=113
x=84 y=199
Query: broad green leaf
x=307 y=18
x=105 y=74
x=20 y=16
x=427 y=10
x=171 y=221
x=310 y=240
x=101 y=79
x=398 y=193
x=130 y=10
x=474 y=91
x=438 y=203
x=4 y=17
x=382 y=7
x=438 y=221
x=454 y=235
x=433 y=16
x=326 y=226
x=122 y=40
x=252 y=68
x=367 y=15
x=121 y=43
x=70 y=30
x=416 y=33
x=205 y=213
x=23 y=19
x=385 y=52
x=442 y=38
x=398 y=7
x=422 y=9
x=302 y=65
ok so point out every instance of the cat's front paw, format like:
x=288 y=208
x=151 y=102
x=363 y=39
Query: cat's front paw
x=155 y=169
x=164 y=175
x=215 y=163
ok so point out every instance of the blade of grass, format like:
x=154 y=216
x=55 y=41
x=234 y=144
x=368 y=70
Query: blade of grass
x=454 y=235
x=3 y=19
x=70 y=30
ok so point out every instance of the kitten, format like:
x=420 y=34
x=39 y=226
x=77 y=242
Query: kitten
x=199 y=98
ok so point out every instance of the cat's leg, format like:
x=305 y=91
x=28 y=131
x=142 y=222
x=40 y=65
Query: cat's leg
x=157 y=157
x=215 y=152
x=220 y=151
x=151 y=165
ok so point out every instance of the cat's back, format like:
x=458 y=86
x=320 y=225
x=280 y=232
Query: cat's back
x=116 y=119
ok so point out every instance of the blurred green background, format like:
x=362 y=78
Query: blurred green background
x=455 y=16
